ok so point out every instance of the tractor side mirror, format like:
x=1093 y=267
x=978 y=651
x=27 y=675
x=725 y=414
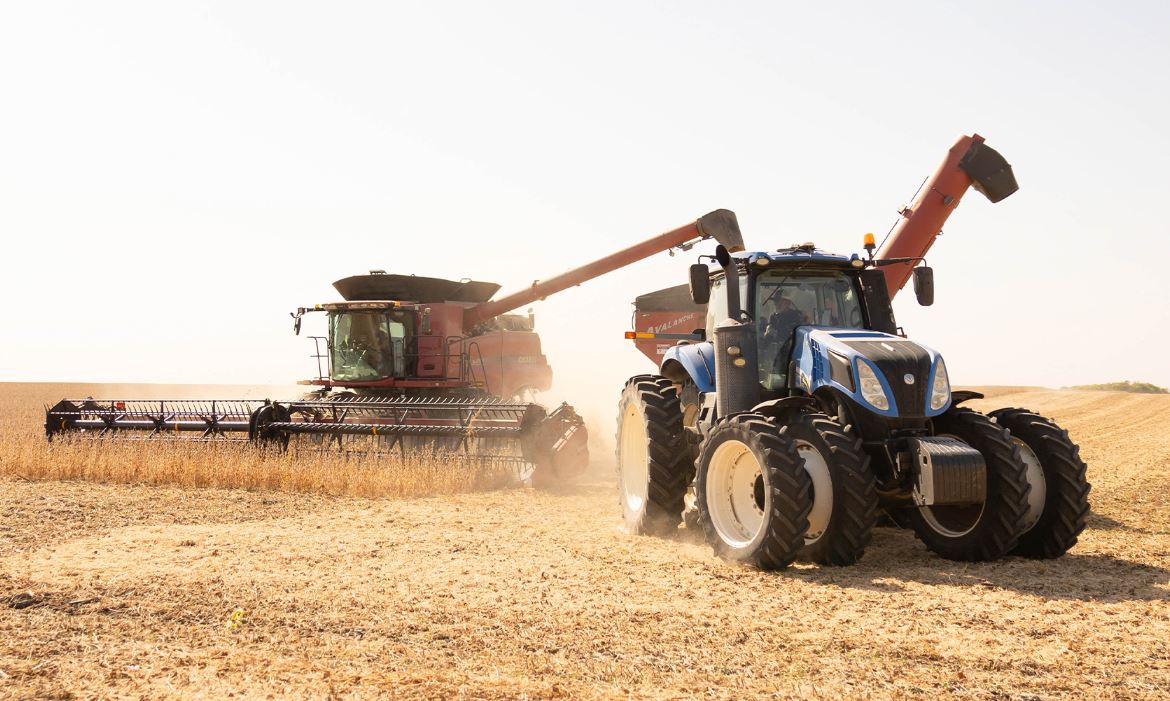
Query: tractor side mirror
x=700 y=284
x=296 y=322
x=924 y=285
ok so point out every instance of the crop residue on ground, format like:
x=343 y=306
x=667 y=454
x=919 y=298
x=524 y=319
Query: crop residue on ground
x=113 y=590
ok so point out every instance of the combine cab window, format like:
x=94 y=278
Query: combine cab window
x=785 y=300
x=367 y=346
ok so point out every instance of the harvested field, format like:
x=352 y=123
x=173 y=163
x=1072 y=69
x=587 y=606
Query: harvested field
x=140 y=591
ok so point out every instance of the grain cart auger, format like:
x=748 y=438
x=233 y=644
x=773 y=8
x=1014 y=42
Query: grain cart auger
x=797 y=408
x=410 y=365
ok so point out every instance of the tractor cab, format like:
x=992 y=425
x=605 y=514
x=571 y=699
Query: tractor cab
x=781 y=300
x=786 y=295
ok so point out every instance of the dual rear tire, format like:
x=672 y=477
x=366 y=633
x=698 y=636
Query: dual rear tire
x=1037 y=492
x=986 y=531
x=1058 y=503
x=765 y=494
x=770 y=494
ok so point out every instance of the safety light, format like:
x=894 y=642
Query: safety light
x=869 y=245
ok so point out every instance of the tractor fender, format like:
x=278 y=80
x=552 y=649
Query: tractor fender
x=692 y=361
x=963 y=395
x=776 y=408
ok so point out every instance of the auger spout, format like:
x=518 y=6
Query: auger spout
x=969 y=163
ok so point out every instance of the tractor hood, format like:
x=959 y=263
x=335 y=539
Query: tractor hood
x=849 y=359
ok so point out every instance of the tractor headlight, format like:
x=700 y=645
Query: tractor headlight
x=940 y=389
x=871 y=387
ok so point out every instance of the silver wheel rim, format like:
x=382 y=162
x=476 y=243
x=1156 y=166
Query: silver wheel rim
x=1039 y=486
x=822 y=484
x=737 y=496
x=634 y=463
x=935 y=519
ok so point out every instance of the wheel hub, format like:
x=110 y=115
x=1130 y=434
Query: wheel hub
x=737 y=494
x=1039 y=486
x=817 y=467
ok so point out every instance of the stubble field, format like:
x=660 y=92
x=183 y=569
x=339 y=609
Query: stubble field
x=317 y=584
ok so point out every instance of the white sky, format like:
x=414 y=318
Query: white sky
x=176 y=177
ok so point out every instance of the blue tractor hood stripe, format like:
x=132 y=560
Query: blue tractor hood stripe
x=904 y=369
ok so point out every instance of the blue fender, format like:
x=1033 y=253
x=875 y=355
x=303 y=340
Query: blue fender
x=695 y=361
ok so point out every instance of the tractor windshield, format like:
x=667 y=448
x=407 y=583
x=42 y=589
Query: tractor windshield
x=366 y=346
x=785 y=300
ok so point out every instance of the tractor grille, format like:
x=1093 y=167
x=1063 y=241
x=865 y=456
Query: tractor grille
x=897 y=358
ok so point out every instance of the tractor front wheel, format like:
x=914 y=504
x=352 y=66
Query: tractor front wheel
x=844 y=496
x=753 y=492
x=652 y=457
x=1058 y=503
x=986 y=531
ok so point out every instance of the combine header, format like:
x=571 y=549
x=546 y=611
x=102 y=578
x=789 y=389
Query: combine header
x=410 y=365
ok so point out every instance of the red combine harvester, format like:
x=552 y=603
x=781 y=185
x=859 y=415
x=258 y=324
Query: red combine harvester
x=410 y=364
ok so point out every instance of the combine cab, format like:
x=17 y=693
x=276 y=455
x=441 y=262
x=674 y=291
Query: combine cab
x=410 y=365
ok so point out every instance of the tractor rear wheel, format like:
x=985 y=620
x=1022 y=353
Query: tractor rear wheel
x=652 y=456
x=986 y=531
x=753 y=493
x=844 y=496
x=1058 y=503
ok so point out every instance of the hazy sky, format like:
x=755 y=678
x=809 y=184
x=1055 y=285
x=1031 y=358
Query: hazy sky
x=176 y=177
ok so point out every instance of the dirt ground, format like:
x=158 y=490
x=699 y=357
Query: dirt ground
x=112 y=591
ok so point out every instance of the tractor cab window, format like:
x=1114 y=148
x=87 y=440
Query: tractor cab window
x=366 y=346
x=717 y=304
x=785 y=300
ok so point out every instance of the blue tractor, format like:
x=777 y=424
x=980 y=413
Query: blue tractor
x=799 y=412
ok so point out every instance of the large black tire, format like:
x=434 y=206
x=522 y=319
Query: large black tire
x=768 y=529
x=980 y=532
x=844 y=507
x=652 y=459
x=1058 y=516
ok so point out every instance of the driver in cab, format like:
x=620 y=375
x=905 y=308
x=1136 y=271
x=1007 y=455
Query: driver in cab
x=784 y=321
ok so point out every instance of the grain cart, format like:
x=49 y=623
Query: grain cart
x=796 y=408
x=410 y=365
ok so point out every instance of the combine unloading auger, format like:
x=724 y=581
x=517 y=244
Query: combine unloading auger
x=413 y=366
